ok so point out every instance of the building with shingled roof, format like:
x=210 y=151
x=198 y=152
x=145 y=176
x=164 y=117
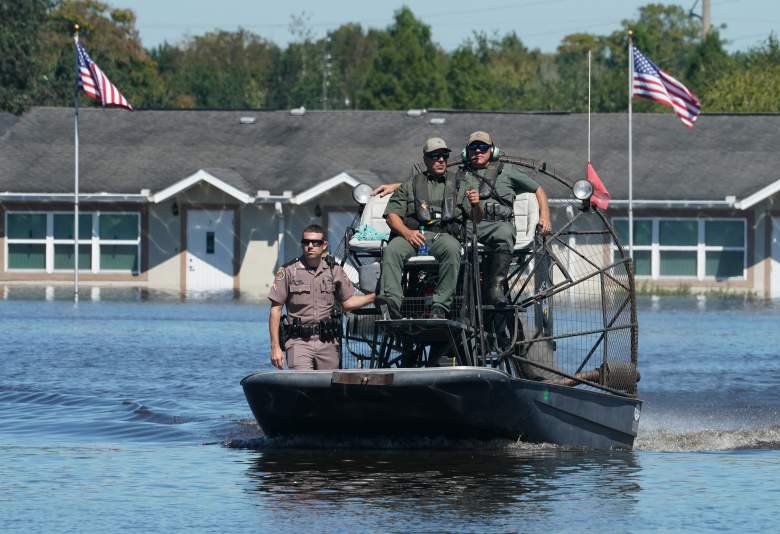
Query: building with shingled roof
x=192 y=200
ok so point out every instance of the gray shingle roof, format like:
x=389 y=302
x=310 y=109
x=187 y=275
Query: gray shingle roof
x=6 y=121
x=122 y=152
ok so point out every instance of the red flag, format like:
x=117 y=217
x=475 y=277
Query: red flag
x=601 y=196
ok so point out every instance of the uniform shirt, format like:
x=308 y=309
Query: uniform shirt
x=309 y=294
x=402 y=201
x=512 y=181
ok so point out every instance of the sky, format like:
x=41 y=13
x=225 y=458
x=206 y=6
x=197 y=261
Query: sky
x=539 y=23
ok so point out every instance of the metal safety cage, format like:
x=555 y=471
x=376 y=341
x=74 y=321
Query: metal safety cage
x=572 y=313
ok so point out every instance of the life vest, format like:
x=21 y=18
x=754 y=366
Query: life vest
x=424 y=215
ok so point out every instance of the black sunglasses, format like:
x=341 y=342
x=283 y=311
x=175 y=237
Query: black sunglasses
x=482 y=147
x=315 y=242
x=436 y=155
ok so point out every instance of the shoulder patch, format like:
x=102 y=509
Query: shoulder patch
x=280 y=274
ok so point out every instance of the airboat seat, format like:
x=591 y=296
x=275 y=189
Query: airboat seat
x=373 y=217
x=526 y=209
x=526 y=213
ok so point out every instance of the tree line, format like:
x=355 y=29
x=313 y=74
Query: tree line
x=398 y=67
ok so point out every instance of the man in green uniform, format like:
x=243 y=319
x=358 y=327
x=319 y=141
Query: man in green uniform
x=429 y=208
x=499 y=182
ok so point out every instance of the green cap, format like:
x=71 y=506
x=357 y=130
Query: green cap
x=481 y=136
x=435 y=143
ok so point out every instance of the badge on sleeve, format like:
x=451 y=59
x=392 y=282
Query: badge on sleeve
x=280 y=274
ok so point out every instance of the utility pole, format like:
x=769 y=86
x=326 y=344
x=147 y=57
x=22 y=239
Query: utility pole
x=705 y=18
x=326 y=74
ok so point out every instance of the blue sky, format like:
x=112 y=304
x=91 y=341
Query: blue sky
x=539 y=23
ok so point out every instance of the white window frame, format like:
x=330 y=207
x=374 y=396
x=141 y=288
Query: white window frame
x=94 y=241
x=701 y=248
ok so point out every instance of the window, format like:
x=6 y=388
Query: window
x=687 y=247
x=108 y=241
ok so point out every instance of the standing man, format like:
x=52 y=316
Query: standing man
x=429 y=208
x=309 y=286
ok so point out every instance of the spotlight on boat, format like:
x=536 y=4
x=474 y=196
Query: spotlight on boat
x=583 y=190
x=361 y=193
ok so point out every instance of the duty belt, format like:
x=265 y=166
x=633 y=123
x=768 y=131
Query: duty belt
x=308 y=330
x=495 y=217
x=326 y=329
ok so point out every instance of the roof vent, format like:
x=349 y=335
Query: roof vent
x=298 y=111
x=247 y=120
x=415 y=112
x=438 y=120
x=731 y=199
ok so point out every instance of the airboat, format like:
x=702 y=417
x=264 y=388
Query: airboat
x=558 y=364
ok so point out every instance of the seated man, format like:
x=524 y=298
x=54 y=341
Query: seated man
x=498 y=183
x=429 y=208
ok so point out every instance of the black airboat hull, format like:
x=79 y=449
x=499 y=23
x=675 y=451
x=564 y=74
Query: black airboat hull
x=453 y=402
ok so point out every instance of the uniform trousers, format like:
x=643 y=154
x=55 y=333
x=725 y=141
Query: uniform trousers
x=312 y=353
x=446 y=250
x=497 y=236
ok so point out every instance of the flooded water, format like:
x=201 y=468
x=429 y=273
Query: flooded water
x=125 y=413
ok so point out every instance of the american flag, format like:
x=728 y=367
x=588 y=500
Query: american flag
x=96 y=84
x=653 y=83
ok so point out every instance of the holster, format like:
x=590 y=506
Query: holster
x=283 y=331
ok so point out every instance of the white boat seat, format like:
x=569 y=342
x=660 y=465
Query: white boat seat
x=373 y=216
x=526 y=211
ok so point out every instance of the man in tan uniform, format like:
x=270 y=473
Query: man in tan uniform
x=309 y=286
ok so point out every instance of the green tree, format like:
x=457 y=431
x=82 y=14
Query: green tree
x=112 y=41
x=218 y=70
x=470 y=79
x=570 y=93
x=520 y=75
x=20 y=23
x=408 y=70
x=352 y=54
x=751 y=84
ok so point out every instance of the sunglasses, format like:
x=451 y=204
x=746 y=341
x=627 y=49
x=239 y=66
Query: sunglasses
x=313 y=242
x=437 y=155
x=480 y=147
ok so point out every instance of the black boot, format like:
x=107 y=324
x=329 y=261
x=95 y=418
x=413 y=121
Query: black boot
x=498 y=269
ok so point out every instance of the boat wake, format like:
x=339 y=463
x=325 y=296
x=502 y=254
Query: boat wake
x=246 y=434
x=667 y=440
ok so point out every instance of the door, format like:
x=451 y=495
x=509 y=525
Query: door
x=774 y=281
x=210 y=251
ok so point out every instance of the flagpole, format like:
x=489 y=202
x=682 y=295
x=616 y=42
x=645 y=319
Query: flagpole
x=76 y=179
x=589 y=54
x=630 y=147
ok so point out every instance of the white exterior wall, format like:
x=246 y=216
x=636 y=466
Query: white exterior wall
x=259 y=249
x=164 y=247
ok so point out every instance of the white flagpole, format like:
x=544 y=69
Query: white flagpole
x=589 y=54
x=630 y=147
x=76 y=183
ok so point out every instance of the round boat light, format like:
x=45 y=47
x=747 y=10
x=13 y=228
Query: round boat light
x=582 y=189
x=361 y=193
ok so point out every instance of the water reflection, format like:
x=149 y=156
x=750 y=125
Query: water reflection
x=514 y=482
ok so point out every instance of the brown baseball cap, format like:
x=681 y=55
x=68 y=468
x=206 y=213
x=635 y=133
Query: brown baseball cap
x=435 y=143
x=480 y=136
